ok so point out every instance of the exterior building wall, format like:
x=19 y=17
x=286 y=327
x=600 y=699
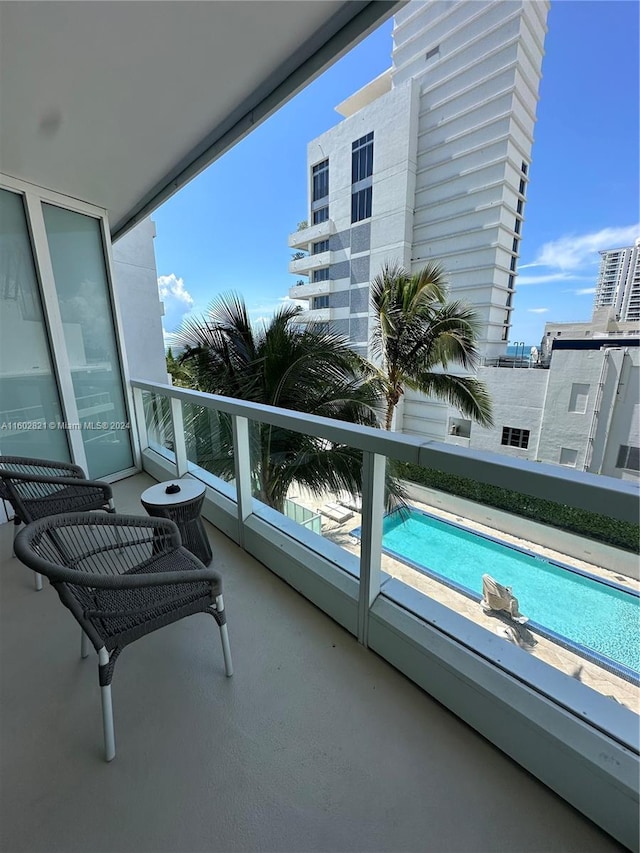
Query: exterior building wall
x=578 y=383
x=618 y=285
x=579 y=412
x=624 y=425
x=358 y=250
x=453 y=129
x=135 y=281
x=518 y=397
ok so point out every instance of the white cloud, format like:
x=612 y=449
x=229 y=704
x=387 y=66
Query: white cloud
x=584 y=291
x=538 y=310
x=572 y=252
x=546 y=279
x=177 y=300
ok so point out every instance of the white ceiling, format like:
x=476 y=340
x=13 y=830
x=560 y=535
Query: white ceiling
x=120 y=103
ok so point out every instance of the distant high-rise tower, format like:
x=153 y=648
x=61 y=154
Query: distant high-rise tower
x=431 y=163
x=618 y=284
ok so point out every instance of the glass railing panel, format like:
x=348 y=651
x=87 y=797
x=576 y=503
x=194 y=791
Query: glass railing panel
x=157 y=414
x=495 y=557
x=311 y=481
x=209 y=442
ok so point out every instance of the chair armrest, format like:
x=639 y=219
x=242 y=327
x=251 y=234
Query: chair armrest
x=145 y=579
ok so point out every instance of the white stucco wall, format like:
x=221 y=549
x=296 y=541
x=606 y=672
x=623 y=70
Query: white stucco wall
x=136 y=288
x=562 y=427
x=518 y=398
x=624 y=426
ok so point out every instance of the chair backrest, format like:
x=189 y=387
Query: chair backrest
x=24 y=480
x=93 y=549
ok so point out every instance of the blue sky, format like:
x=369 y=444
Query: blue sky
x=227 y=230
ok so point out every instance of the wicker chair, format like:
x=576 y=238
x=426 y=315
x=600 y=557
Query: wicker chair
x=36 y=488
x=122 y=577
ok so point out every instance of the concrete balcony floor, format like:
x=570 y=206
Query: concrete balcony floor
x=315 y=744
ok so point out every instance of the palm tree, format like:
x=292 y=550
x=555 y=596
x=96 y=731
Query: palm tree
x=417 y=334
x=281 y=363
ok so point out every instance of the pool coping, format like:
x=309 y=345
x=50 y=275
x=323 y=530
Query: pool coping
x=615 y=667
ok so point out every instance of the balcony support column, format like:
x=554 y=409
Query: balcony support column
x=373 y=471
x=141 y=423
x=179 y=443
x=242 y=459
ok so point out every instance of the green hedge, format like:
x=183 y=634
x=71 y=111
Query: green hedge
x=620 y=534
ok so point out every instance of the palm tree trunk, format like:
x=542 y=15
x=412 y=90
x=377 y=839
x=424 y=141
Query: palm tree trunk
x=390 y=410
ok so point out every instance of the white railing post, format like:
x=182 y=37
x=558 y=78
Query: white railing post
x=373 y=471
x=141 y=423
x=179 y=442
x=242 y=461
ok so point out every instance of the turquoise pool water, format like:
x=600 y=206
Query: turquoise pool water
x=602 y=618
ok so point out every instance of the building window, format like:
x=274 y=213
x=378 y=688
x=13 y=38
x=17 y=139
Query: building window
x=362 y=158
x=522 y=186
x=520 y=206
x=579 y=397
x=518 y=226
x=361 y=181
x=320 y=177
x=320 y=215
x=628 y=458
x=320 y=246
x=514 y=248
x=512 y=437
x=433 y=52
x=514 y=261
x=321 y=275
x=524 y=168
x=361 y=204
x=512 y=279
x=320 y=302
x=568 y=457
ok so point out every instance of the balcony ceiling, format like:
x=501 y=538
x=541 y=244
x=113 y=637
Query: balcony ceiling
x=120 y=104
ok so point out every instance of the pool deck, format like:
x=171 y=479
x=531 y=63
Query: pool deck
x=591 y=674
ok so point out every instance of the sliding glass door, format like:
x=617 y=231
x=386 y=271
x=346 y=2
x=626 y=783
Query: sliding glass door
x=62 y=381
x=30 y=409
x=82 y=291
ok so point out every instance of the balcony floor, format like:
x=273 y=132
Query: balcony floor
x=315 y=744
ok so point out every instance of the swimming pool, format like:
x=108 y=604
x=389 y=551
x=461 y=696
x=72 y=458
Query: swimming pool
x=595 y=618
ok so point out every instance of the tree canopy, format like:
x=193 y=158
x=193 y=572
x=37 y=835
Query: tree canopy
x=418 y=334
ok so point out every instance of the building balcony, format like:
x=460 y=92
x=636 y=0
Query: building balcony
x=316 y=315
x=333 y=649
x=315 y=743
x=306 y=265
x=309 y=289
x=303 y=238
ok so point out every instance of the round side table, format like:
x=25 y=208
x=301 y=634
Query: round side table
x=183 y=507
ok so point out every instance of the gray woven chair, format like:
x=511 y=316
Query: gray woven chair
x=122 y=577
x=36 y=488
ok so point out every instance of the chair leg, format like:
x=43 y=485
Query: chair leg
x=16 y=530
x=84 y=645
x=38 y=581
x=107 y=712
x=224 y=636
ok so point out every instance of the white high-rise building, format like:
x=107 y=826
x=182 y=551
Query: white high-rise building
x=618 y=286
x=431 y=162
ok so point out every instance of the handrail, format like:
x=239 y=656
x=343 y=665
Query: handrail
x=616 y=499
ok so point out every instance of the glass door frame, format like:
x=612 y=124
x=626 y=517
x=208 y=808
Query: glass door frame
x=33 y=199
